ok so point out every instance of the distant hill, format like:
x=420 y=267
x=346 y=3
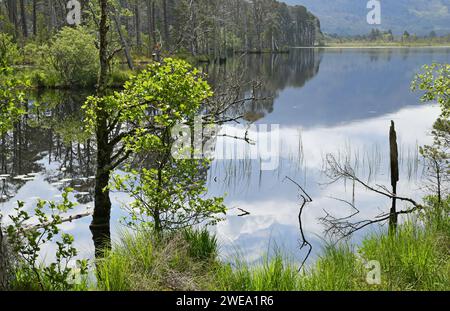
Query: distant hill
x=348 y=17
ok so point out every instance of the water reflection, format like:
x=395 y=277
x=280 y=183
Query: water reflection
x=276 y=72
x=331 y=100
x=345 y=109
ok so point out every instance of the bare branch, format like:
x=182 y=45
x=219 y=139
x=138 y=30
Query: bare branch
x=305 y=200
x=344 y=227
x=63 y=220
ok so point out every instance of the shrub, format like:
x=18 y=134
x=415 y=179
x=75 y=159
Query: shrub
x=72 y=57
x=9 y=52
x=11 y=98
x=26 y=240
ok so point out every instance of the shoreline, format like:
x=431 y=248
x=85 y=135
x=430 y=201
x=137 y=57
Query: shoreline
x=375 y=47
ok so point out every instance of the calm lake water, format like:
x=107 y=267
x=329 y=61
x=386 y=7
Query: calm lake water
x=337 y=101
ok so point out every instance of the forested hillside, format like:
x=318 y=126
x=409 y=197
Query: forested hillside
x=348 y=17
x=195 y=26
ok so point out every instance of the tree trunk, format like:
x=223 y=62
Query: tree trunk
x=23 y=17
x=151 y=25
x=51 y=15
x=100 y=226
x=154 y=22
x=123 y=42
x=34 y=18
x=393 y=220
x=137 y=19
x=166 y=22
x=12 y=13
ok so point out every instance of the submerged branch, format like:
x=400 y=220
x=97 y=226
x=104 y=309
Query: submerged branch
x=305 y=200
x=344 y=227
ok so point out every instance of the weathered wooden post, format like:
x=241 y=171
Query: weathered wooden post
x=393 y=220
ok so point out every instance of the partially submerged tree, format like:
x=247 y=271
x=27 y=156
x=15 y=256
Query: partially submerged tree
x=136 y=119
x=393 y=151
x=11 y=109
x=141 y=116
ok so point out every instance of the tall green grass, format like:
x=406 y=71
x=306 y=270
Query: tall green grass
x=418 y=256
x=337 y=269
x=415 y=258
x=201 y=244
x=143 y=261
x=276 y=273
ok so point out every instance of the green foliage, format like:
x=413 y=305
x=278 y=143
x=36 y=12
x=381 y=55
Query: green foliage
x=11 y=99
x=27 y=241
x=437 y=159
x=172 y=91
x=70 y=60
x=34 y=53
x=435 y=82
x=118 y=77
x=417 y=258
x=436 y=216
x=9 y=51
x=169 y=193
x=171 y=197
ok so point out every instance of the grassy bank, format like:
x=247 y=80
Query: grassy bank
x=417 y=258
x=42 y=78
x=39 y=78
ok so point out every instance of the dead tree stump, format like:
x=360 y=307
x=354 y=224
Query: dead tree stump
x=393 y=219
